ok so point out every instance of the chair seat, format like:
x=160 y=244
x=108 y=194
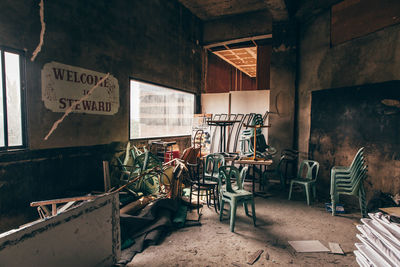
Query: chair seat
x=302 y=181
x=237 y=194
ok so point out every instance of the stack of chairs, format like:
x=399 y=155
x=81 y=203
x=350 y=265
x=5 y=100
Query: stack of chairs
x=349 y=181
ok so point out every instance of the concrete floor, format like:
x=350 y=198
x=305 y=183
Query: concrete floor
x=278 y=221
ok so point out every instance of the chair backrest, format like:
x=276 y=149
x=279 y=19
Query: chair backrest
x=227 y=174
x=309 y=168
x=358 y=156
x=212 y=163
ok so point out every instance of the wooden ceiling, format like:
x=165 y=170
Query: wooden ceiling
x=244 y=59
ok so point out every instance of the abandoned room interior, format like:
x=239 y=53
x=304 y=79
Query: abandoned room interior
x=200 y=133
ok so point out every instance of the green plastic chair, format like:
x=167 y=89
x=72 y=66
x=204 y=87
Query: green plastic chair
x=309 y=180
x=234 y=195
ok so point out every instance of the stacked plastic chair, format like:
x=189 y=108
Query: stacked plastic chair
x=349 y=181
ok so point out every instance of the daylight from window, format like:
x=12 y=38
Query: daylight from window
x=10 y=101
x=158 y=111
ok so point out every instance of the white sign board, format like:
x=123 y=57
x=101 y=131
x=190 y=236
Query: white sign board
x=62 y=85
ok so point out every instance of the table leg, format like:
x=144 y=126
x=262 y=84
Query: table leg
x=254 y=178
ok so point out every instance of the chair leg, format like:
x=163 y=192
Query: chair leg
x=221 y=209
x=361 y=199
x=307 y=188
x=214 y=201
x=333 y=202
x=198 y=199
x=290 y=190
x=246 y=210
x=253 y=211
x=233 y=215
x=314 y=191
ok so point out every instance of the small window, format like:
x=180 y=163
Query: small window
x=158 y=111
x=11 y=100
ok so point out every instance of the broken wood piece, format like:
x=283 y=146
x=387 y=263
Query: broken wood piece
x=335 y=248
x=106 y=175
x=393 y=211
x=65 y=207
x=54 y=209
x=254 y=257
x=61 y=200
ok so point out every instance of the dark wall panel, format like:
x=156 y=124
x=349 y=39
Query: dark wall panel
x=345 y=119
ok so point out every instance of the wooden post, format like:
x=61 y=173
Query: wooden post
x=263 y=66
x=106 y=174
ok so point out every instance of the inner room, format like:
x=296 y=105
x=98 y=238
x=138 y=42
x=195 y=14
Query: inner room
x=200 y=133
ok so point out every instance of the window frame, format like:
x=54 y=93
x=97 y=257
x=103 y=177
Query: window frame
x=166 y=87
x=22 y=71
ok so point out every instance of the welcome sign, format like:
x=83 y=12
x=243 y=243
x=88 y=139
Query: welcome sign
x=62 y=85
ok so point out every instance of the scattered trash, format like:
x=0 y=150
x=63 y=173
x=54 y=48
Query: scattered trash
x=254 y=257
x=266 y=256
x=339 y=208
x=335 y=248
x=308 y=246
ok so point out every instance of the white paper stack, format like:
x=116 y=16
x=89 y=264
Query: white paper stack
x=380 y=241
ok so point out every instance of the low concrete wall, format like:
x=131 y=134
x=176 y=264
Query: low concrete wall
x=87 y=235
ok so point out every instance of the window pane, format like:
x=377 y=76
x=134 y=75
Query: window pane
x=2 y=143
x=158 y=111
x=13 y=91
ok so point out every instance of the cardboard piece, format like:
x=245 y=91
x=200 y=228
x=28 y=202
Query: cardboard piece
x=393 y=211
x=308 y=246
x=335 y=248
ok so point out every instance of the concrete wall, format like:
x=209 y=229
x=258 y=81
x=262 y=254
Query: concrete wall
x=86 y=235
x=238 y=26
x=282 y=95
x=151 y=40
x=369 y=59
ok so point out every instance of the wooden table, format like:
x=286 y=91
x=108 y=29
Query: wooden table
x=253 y=163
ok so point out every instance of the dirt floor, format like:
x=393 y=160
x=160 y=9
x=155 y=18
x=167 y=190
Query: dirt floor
x=278 y=221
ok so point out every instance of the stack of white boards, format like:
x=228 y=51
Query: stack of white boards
x=380 y=241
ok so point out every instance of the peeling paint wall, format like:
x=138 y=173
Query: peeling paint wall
x=370 y=59
x=152 y=40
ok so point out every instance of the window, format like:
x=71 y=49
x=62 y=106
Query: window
x=158 y=111
x=11 y=100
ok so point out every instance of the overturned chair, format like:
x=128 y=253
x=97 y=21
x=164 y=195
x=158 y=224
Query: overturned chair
x=349 y=181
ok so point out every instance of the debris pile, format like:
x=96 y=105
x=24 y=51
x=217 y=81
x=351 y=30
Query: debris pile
x=380 y=241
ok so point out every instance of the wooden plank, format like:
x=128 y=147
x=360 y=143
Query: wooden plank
x=335 y=248
x=263 y=66
x=254 y=257
x=393 y=211
x=62 y=200
x=53 y=209
x=106 y=175
x=65 y=207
